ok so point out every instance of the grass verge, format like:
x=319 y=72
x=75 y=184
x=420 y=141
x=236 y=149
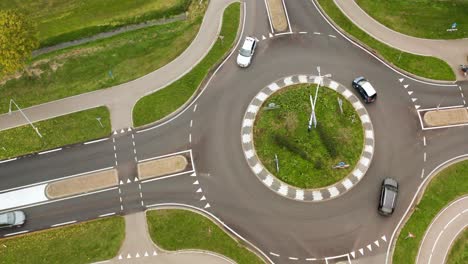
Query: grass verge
x=445 y=187
x=459 y=251
x=424 y=66
x=421 y=18
x=306 y=158
x=165 y=101
x=174 y=229
x=101 y=64
x=81 y=243
x=61 y=21
x=56 y=132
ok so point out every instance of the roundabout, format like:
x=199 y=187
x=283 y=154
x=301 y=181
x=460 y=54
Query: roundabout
x=307 y=182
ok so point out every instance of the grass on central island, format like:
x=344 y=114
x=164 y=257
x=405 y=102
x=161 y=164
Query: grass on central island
x=306 y=158
x=82 y=243
x=444 y=188
x=175 y=229
x=459 y=251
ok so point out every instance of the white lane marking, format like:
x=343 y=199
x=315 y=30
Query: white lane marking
x=274 y=254
x=406 y=86
x=425 y=156
x=16 y=233
x=190 y=138
x=347 y=184
x=451 y=220
x=384 y=238
x=50 y=151
x=268 y=180
x=302 y=32
x=207 y=205
x=246 y=138
x=451 y=242
x=263 y=37
x=310 y=259
x=273 y=86
x=195 y=108
x=191 y=123
x=353 y=254
x=424 y=140
x=293 y=258
x=268 y=14
x=410 y=92
x=369 y=247
x=168 y=176
x=332 y=36
x=377 y=243
x=109 y=214
x=299 y=194
x=317 y=196
x=65 y=223
x=166 y=155
x=422 y=173
x=8 y=160
x=96 y=141
x=283 y=190
x=414 y=99
x=270 y=35
x=333 y=191
x=287 y=16
x=317 y=33
x=361 y=251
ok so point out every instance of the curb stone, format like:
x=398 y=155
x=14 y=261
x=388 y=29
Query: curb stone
x=284 y=189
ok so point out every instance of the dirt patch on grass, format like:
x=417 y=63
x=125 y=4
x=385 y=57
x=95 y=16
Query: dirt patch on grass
x=446 y=117
x=161 y=167
x=82 y=184
x=277 y=14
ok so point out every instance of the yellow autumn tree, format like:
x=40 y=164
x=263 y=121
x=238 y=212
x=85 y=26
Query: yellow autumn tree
x=17 y=41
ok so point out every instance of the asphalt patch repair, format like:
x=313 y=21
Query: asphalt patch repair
x=82 y=184
x=446 y=117
x=161 y=167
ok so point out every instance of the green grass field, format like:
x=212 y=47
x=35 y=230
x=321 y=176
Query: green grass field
x=420 y=18
x=173 y=229
x=68 y=129
x=306 y=158
x=444 y=188
x=459 y=251
x=87 y=242
x=87 y=67
x=424 y=66
x=60 y=21
x=163 y=102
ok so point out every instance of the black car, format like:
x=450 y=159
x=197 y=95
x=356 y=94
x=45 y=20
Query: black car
x=388 y=196
x=365 y=89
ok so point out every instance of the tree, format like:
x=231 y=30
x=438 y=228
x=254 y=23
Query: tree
x=17 y=41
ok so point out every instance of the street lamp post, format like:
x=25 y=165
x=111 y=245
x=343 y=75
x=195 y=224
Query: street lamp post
x=313 y=101
x=24 y=115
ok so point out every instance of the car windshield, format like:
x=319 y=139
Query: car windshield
x=244 y=52
x=6 y=218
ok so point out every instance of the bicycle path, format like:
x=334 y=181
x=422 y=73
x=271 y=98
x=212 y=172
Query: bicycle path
x=443 y=231
x=454 y=51
x=138 y=248
x=120 y=99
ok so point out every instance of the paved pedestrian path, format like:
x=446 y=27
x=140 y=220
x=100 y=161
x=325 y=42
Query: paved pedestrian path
x=120 y=99
x=441 y=234
x=138 y=248
x=454 y=52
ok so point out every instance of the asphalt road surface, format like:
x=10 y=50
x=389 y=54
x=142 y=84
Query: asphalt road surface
x=287 y=231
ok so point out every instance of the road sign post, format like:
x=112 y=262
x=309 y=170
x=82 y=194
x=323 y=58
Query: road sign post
x=25 y=117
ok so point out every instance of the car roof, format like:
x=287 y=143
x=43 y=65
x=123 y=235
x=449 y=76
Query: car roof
x=7 y=218
x=248 y=43
x=370 y=91
x=389 y=198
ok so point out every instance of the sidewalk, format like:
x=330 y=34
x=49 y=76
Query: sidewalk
x=120 y=99
x=440 y=235
x=454 y=52
x=139 y=248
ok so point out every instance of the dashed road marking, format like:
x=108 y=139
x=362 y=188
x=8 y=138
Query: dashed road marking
x=274 y=254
